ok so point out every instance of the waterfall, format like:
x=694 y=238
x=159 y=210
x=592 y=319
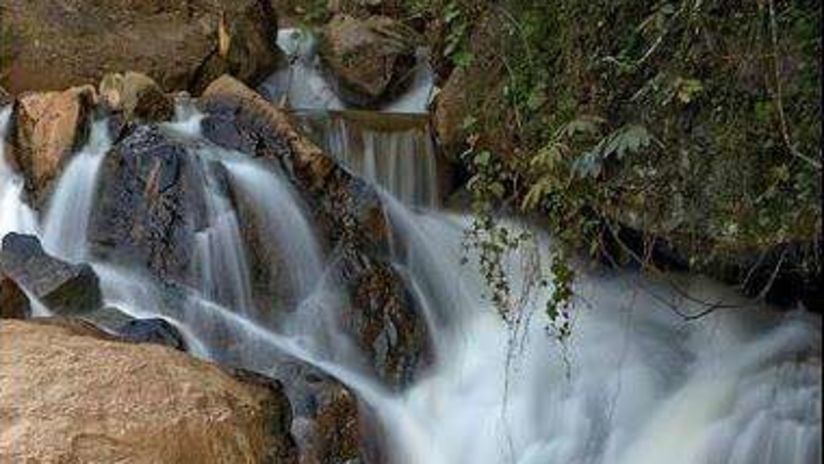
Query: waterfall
x=393 y=151
x=283 y=219
x=66 y=222
x=634 y=383
x=15 y=215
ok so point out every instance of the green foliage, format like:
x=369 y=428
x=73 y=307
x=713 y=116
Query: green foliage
x=708 y=125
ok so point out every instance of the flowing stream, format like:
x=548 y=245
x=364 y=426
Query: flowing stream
x=634 y=384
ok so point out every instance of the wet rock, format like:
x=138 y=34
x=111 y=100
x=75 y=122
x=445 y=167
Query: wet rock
x=154 y=330
x=327 y=425
x=73 y=394
x=369 y=59
x=181 y=44
x=14 y=304
x=5 y=97
x=49 y=128
x=136 y=96
x=351 y=223
x=62 y=287
x=150 y=204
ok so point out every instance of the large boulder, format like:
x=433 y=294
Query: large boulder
x=382 y=316
x=49 y=128
x=150 y=204
x=136 y=96
x=62 y=287
x=74 y=394
x=369 y=60
x=182 y=44
x=14 y=304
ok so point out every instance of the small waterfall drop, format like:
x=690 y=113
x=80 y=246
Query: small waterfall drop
x=66 y=222
x=393 y=151
x=283 y=220
x=15 y=215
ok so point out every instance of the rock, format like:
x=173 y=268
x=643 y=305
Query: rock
x=350 y=219
x=5 y=97
x=368 y=59
x=14 y=304
x=153 y=330
x=62 y=287
x=150 y=204
x=49 y=128
x=71 y=394
x=137 y=96
x=181 y=44
x=475 y=93
x=327 y=425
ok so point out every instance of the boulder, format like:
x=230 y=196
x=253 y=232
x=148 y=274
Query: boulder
x=62 y=287
x=154 y=330
x=150 y=204
x=327 y=424
x=14 y=304
x=350 y=219
x=369 y=60
x=181 y=44
x=72 y=394
x=49 y=128
x=137 y=97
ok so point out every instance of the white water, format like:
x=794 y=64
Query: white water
x=400 y=159
x=278 y=208
x=635 y=383
x=15 y=215
x=66 y=222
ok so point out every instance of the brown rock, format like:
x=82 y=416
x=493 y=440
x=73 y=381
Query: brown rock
x=369 y=59
x=14 y=304
x=72 y=395
x=137 y=96
x=55 y=44
x=476 y=92
x=50 y=126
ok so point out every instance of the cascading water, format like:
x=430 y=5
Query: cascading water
x=15 y=215
x=67 y=219
x=635 y=383
x=395 y=153
x=393 y=149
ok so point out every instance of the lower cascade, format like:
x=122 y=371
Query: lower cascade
x=257 y=264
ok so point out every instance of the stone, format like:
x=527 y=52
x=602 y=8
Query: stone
x=14 y=304
x=150 y=204
x=73 y=394
x=154 y=330
x=137 y=97
x=62 y=287
x=49 y=128
x=369 y=60
x=55 y=44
